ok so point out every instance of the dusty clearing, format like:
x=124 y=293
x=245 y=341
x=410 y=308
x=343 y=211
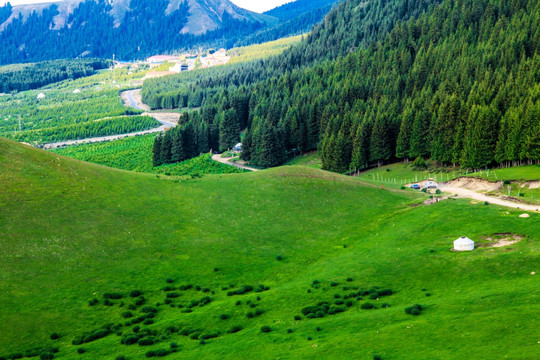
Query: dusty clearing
x=502 y=240
x=474 y=184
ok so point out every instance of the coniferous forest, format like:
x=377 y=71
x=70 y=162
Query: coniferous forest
x=146 y=29
x=33 y=76
x=454 y=80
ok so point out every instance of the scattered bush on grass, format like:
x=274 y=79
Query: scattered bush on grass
x=367 y=306
x=55 y=336
x=266 y=329
x=235 y=329
x=240 y=291
x=297 y=317
x=113 y=296
x=157 y=353
x=93 y=302
x=46 y=356
x=414 y=310
x=224 y=316
x=81 y=351
x=135 y=293
x=127 y=314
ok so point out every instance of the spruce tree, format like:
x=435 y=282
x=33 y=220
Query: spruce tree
x=229 y=130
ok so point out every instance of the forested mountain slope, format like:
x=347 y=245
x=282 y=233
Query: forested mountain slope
x=135 y=29
x=459 y=83
x=131 y=29
x=351 y=24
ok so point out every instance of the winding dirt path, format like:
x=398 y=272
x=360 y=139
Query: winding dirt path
x=490 y=199
x=218 y=158
x=131 y=98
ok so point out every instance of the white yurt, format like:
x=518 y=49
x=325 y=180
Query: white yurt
x=76 y=91
x=41 y=96
x=463 y=244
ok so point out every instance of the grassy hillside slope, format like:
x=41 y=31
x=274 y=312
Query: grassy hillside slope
x=72 y=231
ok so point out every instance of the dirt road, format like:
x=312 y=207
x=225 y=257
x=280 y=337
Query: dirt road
x=490 y=199
x=218 y=158
x=131 y=98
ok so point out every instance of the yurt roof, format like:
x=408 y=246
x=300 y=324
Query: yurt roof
x=464 y=240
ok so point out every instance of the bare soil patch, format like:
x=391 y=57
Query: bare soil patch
x=475 y=184
x=499 y=240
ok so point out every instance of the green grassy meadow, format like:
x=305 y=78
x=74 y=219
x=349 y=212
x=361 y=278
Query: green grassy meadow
x=72 y=231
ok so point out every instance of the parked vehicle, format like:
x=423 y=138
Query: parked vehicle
x=431 y=185
x=415 y=186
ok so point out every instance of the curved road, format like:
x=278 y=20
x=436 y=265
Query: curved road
x=131 y=98
x=490 y=199
x=218 y=158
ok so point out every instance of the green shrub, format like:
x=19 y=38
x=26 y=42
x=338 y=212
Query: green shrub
x=224 y=316
x=209 y=336
x=290 y=331
x=81 y=351
x=377 y=357
x=240 y=291
x=317 y=329
x=15 y=356
x=157 y=353
x=279 y=258
x=129 y=340
x=146 y=341
x=112 y=296
x=424 y=190
x=149 y=309
x=348 y=303
x=202 y=342
x=334 y=283
x=349 y=279
x=46 y=356
x=339 y=302
x=367 y=306
x=120 y=357
x=93 y=302
x=174 y=345
x=173 y=295
x=140 y=301
x=266 y=329
x=385 y=305
x=297 y=317
x=415 y=310
x=438 y=192
x=55 y=336
x=309 y=338
x=169 y=280
x=127 y=314
x=238 y=303
x=235 y=329
x=148 y=322
x=135 y=293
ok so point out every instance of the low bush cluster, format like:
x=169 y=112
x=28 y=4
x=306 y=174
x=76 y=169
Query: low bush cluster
x=241 y=290
x=92 y=335
x=256 y=313
x=157 y=353
x=113 y=296
x=320 y=310
x=415 y=310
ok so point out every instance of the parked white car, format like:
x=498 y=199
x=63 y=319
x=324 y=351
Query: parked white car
x=431 y=185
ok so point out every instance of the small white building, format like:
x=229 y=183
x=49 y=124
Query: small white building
x=463 y=244
x=237 y=148
x=76 y=91
x=41 y=96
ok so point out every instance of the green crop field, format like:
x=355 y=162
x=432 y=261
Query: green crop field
x=67 y=105
x=291 y=262
x=135 y=154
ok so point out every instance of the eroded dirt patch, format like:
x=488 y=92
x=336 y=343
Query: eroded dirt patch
x=474 y=184
x=501 y=240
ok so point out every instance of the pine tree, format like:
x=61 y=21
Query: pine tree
x=229 y=130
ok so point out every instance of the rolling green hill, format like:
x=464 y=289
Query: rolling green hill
x=239 y=253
